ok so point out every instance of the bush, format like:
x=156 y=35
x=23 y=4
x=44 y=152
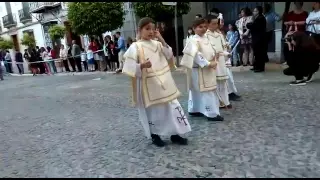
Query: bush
x=57 y=32
x=95 y=18
x=6 y=44
x=28 y=40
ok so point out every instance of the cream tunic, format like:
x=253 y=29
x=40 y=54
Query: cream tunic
x=217 y=40
x=166 y=118
x=200 y=101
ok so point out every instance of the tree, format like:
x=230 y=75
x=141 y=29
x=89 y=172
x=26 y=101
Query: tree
x=6 y=44
x=28 y=40
x=159 y=12
x=56 y=32
x=95 y=18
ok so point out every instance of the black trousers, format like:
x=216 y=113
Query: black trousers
x=108 y=62
x=259 y=53
x=72 y=63
x=78 y=63
x=85 y=65
x=66 y=65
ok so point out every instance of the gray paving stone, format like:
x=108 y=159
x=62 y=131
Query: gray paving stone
x=73 y=126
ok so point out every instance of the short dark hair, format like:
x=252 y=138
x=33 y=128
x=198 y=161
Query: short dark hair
x=267 y=7
x=37 y=47
x=246 y=11
x=215 y=11
x=119 y=33
x=298 y=2
x=198 y=21
x=260 y=9
x=199 y=15
x=145 y=21
x=210 y=17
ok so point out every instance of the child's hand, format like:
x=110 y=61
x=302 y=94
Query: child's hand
x=146 y=64
x=213 y=64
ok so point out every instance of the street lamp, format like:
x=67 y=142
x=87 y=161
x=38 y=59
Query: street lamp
x=175 y=27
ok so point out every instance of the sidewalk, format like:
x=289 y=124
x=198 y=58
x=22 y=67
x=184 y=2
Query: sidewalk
x=269 y=67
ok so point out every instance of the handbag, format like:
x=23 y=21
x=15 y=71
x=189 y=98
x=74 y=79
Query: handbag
x=2 y=64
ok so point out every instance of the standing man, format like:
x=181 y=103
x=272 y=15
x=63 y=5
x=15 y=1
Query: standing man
x=271 y=18
x=76 y=53
x=122 y=49
x=19 y=62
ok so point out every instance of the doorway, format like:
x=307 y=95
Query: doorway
x=15 y=42
x=71 y=35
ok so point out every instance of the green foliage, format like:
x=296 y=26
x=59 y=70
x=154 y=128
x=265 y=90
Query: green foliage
x=57 y=32
x=95 y=18
x=159 y=12
x=28 y=40
x=6 y=44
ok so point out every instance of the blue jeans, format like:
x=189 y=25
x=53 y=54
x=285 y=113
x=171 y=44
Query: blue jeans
x=52 y=66
x=235 y=56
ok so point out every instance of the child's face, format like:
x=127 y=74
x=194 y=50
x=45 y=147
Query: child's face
x=147 y=32
x=213 y=25
x=230 y=27
x=201 y=29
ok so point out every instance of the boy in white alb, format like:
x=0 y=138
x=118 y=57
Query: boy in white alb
x=154 y=90
x=217 y=40
x=199 y=57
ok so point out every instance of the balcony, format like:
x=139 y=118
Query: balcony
x=41 y=7
x=24 y=16
x=9 y=20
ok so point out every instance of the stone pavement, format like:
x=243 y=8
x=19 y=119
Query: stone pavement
x=74 y=126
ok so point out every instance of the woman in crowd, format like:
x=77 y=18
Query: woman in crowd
x=111 y=53
x=71 y=59
x=8 y=62
x=303 y=60
x=51 y=55
x=258 y=32
x=294 y=21
x=116 y=52
x=233 y=38
x=45 y=57
x=106 y=53
x=271 y=18
x=245 y=36
x=63 y=56
x=313 y=22
x=93 y=46
x=34 y=58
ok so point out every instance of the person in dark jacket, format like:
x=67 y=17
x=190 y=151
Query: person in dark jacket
x=303 y=59
x=19 y=61
x=38 y=57
x=258 y=33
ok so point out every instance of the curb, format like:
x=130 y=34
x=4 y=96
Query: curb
x=268 y=67
x=65 y=74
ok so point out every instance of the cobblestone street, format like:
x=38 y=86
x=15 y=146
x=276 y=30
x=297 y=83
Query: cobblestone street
x=80 y=126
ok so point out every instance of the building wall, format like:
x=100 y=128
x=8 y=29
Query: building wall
x=35 y=26
x=187 y=19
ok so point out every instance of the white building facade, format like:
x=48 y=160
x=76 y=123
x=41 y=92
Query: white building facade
x=34 y=18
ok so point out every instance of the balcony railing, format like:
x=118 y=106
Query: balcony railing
x=41 y=7
x=9 y=20
x=24 y=15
